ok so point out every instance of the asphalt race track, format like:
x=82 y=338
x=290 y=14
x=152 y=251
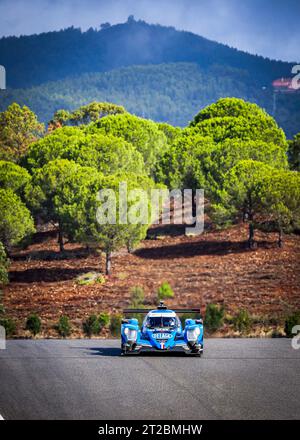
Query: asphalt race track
x=88 y=379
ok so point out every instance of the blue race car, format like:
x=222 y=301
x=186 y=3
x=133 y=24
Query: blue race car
x=162 y=331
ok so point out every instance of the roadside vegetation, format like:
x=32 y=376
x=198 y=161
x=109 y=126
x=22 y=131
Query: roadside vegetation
x=217 y=322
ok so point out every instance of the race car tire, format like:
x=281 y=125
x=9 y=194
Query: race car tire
x=197 y=353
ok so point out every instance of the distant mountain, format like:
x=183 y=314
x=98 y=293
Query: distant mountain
x=35 y=59
x=154 y=71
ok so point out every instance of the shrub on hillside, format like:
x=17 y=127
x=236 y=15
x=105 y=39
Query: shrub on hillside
x=242 y=321
x=33 y=324
x=9 y=325
x=103 y=320
x=115 y=324
x=290 y=322
x=63 y=326
x=165 y=291
x=137 y=296
x=214 y=317
x=91 y=326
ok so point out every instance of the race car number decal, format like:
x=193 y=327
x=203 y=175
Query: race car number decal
x=162 y=335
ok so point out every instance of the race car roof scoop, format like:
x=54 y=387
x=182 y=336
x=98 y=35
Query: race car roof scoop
x=161 y=306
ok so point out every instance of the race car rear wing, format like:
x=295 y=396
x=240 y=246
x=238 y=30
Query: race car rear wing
x=161 y=306
x=150 y=310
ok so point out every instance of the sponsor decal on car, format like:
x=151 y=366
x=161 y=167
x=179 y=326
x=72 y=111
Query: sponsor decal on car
x=162 y=335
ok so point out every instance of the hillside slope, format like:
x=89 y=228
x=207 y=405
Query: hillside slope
x=215 y=267
x=172 y=92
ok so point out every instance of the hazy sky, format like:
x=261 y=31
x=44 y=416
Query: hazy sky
x=267 y=27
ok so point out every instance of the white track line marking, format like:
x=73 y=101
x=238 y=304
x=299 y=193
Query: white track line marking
x=1 y=418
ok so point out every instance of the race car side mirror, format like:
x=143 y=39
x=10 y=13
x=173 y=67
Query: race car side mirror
x=125 y=321
x=199 y=321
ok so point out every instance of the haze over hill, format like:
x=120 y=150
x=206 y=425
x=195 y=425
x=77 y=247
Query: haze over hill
x=269 y=27
x=181 y=72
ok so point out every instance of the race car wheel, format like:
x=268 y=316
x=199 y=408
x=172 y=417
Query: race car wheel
x=197 y=353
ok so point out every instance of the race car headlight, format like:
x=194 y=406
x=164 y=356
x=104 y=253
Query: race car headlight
x=130 y=334
x=192 y=335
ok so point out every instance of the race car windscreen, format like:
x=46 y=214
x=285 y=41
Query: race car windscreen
x=161 y=321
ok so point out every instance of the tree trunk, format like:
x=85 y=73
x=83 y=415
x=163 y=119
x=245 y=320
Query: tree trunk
x=280 y=238
x=108 y=263
x=129 y=248
x=251 y=236
x=60 y=239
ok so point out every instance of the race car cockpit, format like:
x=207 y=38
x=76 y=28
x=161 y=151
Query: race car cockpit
x=162 y=322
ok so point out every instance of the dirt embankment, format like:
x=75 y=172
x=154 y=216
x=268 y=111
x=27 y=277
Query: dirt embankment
x=214 y=267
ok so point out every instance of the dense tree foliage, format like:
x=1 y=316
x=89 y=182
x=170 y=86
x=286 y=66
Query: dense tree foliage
x=85 y=114
x=142 y=133
x=203 y=154
x=13 y=177
x=234 y=118
x=233 y=149
x=18 y=128
x=294 y=153
x=64 y=192
x=104 y=152
x=231 y=107
x=170 y=132
x=184 y=163
x=230 y=149
x=280 y=195
x=106 y=229
x=242 y=194
x=15 y=221
x=261 y=195
x=57 y=192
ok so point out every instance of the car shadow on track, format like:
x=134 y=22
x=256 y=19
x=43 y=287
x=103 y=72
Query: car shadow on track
x=114 y=351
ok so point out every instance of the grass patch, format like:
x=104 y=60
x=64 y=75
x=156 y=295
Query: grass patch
x=122 y=276
x=90 y=278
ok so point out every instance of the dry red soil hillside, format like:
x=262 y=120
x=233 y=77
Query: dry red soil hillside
x=213 y=267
